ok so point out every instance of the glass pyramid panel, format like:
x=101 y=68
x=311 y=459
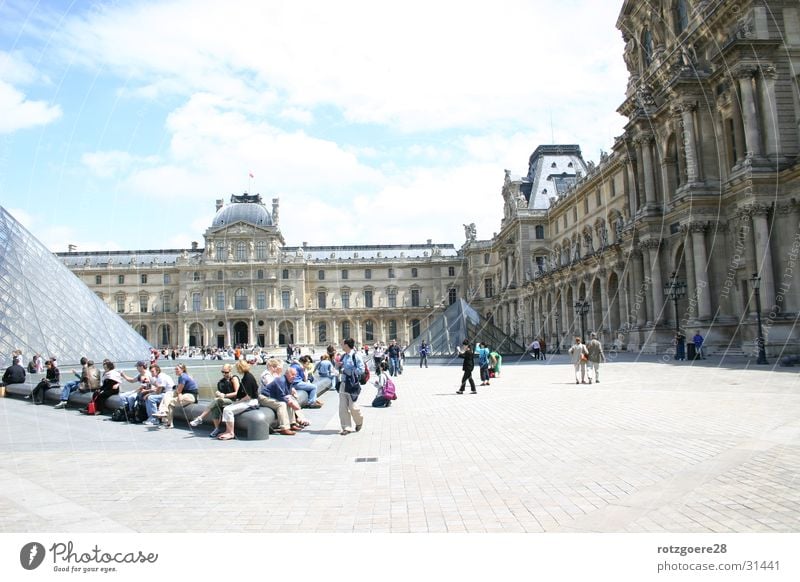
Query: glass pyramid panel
x=46 y=309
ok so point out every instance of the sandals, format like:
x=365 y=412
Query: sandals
x=226 y=436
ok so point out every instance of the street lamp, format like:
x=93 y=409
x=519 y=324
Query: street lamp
x=675 y=290
x=581 y=309
x=558 y=334
x=762 y=354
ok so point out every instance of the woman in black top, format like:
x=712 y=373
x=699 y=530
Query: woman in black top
x=246 y=398
x=465 y=351
x=227 y=389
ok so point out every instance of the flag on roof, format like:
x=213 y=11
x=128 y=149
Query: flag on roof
x=251 y=175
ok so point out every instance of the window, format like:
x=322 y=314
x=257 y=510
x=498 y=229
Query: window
x=220 y=252
x=392 y=294
x=220 y=275
x=196 y=276
x=240 y=299
x=221 y=300
x=167 y=303
x=598 y=198
x=143 y=279
x=681 y=16
x=143 y=303
x=451 y=271
x=488 y=288
x=260 y=274
x=121 y=279
x=368 y=273
x=345 y=329
x=344 y=274
x=414 y=328
x=165 y=335
x=261 y=300
x=261 y=250
x=143 y=331
x=556 y=223
x=369 y=331
x=197 y=299
x=486 y=258
x=367 y=298
x=285 y=274
x=98 y=279
x=322 y=333
x=167 y=279
x=392 y=329
x=414 y=272
x=565 y=220
x=121 y=304
x=540 y=264
x=415 y=298
x=285 y=298
x=321 y=299
x=539 y=232
x=451 y=296
x=613 y=187
x=241 y=251
x=321 y=275
x=346 y=301
x=391 y=272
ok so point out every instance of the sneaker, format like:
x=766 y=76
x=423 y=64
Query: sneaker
x=197 y=421
x=473 y=392
x=151 y=422
x=459 y=391
x=214 y=433
x=160 y=414
x=316 y=404
x=62 y=404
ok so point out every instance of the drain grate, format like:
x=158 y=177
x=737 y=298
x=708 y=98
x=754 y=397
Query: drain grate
x=366 y=459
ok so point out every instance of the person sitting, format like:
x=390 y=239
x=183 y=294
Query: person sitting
x=301 y=382
x=161 y=384
x=227 y=387
x=380 y=382
x=14 y=374
x=325 y=370
x=246 y=398
x=73 y=385
x=108 y=387
x=52 y=379
x=132 y=397
x=282 y=398
x=185 y=393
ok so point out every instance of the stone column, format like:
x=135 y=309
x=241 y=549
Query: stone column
x=689 y=144
x=653 y=264
x=691 y=282
x=646 y=141
x=639 y=293
x=604 y=314
x=700 y=259
x=623 y=298
x=769 y=111
x=764 y=257
x=749 y=112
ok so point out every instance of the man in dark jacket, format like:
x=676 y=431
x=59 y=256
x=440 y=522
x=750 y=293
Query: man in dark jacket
x=465 y=352
x=14 y=374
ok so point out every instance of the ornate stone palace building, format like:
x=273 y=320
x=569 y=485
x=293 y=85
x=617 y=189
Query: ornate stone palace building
x=691 y=217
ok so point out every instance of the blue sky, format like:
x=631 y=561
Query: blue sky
x=122 y=122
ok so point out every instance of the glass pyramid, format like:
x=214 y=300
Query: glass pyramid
x=46 y=309
x=457 y=323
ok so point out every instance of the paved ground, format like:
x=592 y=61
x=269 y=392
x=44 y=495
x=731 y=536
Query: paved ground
x=656 y=447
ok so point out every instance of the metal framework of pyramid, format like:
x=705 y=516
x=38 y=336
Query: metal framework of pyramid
x=457 y=323
x=46 y=309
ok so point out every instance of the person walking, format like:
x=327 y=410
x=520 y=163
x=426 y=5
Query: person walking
x=697 y=340
x=349 y=389
x=680 y=346
x=424 y=350
x=483 y=362
x=579 y=355
x=465 y=352
x=596 y=355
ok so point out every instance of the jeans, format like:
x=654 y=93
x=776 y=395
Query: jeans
x=151 y=404
x=394 y=366
x=308 y=387
x=423 y=359
x=69 y=388
x=129 y=399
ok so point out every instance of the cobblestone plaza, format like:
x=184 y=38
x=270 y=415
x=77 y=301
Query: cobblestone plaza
x=657 y=446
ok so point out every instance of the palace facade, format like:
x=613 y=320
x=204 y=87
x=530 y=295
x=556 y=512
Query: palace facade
x=688 y=222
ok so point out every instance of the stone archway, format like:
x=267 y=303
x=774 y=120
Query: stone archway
x=285 y=333
x=196 y=335
x=241 y=333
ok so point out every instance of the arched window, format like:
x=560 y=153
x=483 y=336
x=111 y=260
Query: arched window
x=143 y=331
x=165 y=335
x=220 y=251
x=369 y=331
x=240 y=299
x=241 y=251
x=197 y=298
x=261 y=250
x=415 y=328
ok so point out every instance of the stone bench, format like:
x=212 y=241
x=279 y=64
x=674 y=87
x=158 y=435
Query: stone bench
x=253 y=425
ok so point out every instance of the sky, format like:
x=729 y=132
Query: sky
x=121 y=123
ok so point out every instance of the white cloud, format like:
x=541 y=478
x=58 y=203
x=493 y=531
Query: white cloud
x=21 y=113
x=107 y=164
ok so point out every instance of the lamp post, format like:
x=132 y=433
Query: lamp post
x=581 y=309
x=675 y=290
x=762 y=354
x=558 y=334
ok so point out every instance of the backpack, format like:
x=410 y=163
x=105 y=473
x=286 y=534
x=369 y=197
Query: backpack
x=389 y=391
x=120 y=414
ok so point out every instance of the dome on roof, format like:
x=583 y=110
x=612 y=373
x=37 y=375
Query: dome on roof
x=243 y=209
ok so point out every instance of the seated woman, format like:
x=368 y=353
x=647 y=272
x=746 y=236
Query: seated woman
x=301 y=382
x=380 y=400
x=227 y=388
x=109 y=385
x=185 y=393
x=246 y=398
x=325 y=371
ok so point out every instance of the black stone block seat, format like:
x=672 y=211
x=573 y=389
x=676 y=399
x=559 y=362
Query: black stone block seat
x=252 y=425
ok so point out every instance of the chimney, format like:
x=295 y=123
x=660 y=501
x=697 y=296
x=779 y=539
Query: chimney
x=72 y=248
x=430 y=241
x=219 y=203
x=305 y=244
x=194 y=245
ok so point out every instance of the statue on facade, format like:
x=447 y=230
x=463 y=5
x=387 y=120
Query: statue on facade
x=471 y=232
x=603 y=235
x=588 y=242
